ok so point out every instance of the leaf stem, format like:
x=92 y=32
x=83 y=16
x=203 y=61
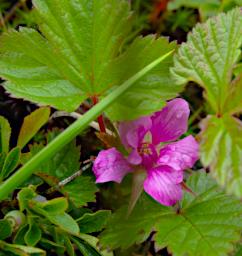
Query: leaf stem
x=100 y=118
x=71 y=132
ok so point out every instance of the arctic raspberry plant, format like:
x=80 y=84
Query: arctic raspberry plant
x=157 y=197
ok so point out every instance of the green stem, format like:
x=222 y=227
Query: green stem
x=71 y=132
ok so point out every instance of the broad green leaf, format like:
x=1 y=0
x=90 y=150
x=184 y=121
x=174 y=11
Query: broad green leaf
x=209 y=55
x=93 y=222
x=81 y=52
x=31 y=125
x=6 y=229
x=208 y=224
x=10 y=163
x=221 y=150
x=149 y=94
x=33 y=235
x=5 y=133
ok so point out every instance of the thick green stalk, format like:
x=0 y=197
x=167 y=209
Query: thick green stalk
x=71 y=132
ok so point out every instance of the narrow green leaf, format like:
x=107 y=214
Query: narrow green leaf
x=31 y=125
x=5 y=132
x=55 y=206
x=11 y=162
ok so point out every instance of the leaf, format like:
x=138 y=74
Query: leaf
x=81 y=190
x=65 y=222
x=151 y=92
x=6 y=229
x=221 y=150
x=5 y=133
x=209 y=55
x=93 y=222
x=21 y=250
x=207 y=224
x=33 y=235
x=11 y=162
x=81 y=51
x=55 y=206
x=31 y=125
x=206 y=7
x=63 y=165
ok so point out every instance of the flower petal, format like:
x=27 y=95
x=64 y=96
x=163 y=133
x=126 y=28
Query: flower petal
x=134 y=157
x=110 y=165
x=171 y=122
x=163 y=184
x=180 y=155
x=133 y=132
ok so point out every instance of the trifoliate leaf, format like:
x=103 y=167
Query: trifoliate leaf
x=207 y=224
x=221 y=149
x=80 y=52
x=209 y=55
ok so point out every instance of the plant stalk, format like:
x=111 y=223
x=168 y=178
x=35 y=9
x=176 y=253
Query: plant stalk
x=71 y=132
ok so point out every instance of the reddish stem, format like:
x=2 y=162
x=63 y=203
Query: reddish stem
x=100 y=119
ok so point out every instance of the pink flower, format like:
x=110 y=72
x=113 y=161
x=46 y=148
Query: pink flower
x=146 y=140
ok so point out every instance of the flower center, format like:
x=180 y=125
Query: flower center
x=148 y=153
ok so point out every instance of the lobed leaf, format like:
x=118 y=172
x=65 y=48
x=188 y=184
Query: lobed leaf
x=207 y=224
x=209 y=55
x=80 y=53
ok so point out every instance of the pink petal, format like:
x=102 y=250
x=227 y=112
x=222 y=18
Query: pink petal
x=171 y=122
x=110 y=165
x=163 y=184
x=134 y=157
x=133 y=132
x=180 y=155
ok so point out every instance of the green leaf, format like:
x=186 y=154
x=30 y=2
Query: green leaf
x=81 y=53
x=21 y=250
x=65 y=222
x=93 y=222
x=66 y=162
x=151 y=92
x=209 y=55
x=11 y=162
x=221 y=150
x=81 y=190
x=207 y=224
x=5 y=133
x=33 y=235
x=54 y=206
x=206 y=7
x=6 y=229
x=31 y=125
